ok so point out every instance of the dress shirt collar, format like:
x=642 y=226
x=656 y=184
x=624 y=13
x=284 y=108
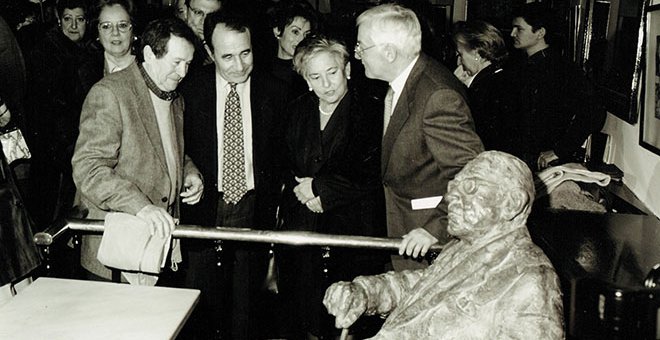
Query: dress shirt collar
x=400 y=81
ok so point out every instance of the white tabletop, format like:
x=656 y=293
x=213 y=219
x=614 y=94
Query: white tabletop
x=71 y=309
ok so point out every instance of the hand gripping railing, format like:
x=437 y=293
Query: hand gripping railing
x=296 y=238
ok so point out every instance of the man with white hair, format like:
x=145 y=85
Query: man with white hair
x=429 y=132
x=492 y=282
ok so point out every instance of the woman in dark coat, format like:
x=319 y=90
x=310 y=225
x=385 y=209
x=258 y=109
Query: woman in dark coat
x=55 y=98
x=481 y=53
x=333 y=185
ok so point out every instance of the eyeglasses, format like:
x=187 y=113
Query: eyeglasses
x=107 y=27
x=359 y=50
x=197 y=12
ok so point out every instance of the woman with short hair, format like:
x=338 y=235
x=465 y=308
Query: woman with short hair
x=481 y=53
x=332 y=143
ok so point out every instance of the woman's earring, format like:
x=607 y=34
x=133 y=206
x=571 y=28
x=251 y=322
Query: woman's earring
x=311 y=89
x=348 y=76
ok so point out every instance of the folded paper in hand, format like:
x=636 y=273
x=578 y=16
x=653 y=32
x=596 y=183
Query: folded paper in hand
x=127 y=244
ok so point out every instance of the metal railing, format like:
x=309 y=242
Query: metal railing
x=296 y=238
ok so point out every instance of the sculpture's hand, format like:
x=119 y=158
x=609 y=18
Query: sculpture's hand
x=417 y=242
x=346 y=301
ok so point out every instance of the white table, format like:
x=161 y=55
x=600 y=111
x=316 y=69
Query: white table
x=71 y=309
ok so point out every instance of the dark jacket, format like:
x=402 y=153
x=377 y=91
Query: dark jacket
x=557 y=110
x=489 y=99
x=201 y=143
x=55 y=94
x=343 y=159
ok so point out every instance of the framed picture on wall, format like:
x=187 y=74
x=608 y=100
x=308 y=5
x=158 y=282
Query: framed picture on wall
x=649 y=132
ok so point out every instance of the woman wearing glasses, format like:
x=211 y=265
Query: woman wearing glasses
x=114 y=28
x=332 y=143
x=55 y=97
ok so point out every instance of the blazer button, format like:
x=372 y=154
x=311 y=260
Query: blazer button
x=164 y=199
x=317 y=159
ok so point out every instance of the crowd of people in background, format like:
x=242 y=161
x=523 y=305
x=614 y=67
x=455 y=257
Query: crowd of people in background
x=270 y=115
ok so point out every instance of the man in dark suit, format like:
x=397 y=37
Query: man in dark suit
x=428 y=135
x=238 y=159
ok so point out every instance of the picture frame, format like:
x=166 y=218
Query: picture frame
x=649 y=132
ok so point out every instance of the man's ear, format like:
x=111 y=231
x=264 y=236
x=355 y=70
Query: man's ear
x=540 y=33
x=514 y=203
x=347 y=70
x=148 y=53
x=390 y=52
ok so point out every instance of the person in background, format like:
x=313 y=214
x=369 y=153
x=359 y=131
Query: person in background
x=194 y=14
x=291 y=21
x=557 y=104
x=129 y=155
x=428 y=130
x=113 y=25
x=481 y=55
x=332 y=184
x=233 y=133
x=491 y=282
x=13 y=76
x=55 y=96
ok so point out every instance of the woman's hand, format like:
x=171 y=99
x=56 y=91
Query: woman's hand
x=314 y=205
x=303 y=190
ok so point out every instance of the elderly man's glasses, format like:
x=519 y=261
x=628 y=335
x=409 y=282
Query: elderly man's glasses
x=359 y=50
x=123 y=26
x=197 y=12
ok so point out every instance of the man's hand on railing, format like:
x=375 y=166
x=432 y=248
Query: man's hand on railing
x=160 y=222
x=416 y=243
x=346 y=301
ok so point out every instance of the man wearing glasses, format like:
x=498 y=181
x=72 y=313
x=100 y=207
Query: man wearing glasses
x=193 y=13
x=428 y=135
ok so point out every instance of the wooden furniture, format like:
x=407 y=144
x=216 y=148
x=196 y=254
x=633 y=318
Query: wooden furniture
x=72 y=309
x=604 y=261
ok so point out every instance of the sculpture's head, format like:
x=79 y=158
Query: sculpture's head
x=493 y=193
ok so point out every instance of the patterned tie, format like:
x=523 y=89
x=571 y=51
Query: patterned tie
x=234 y=184
x=387 y=112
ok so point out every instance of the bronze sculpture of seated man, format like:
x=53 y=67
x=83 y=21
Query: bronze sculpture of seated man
x=491 y=282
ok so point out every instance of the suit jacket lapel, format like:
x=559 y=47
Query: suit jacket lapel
x=401 y=112
x=256 y=106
